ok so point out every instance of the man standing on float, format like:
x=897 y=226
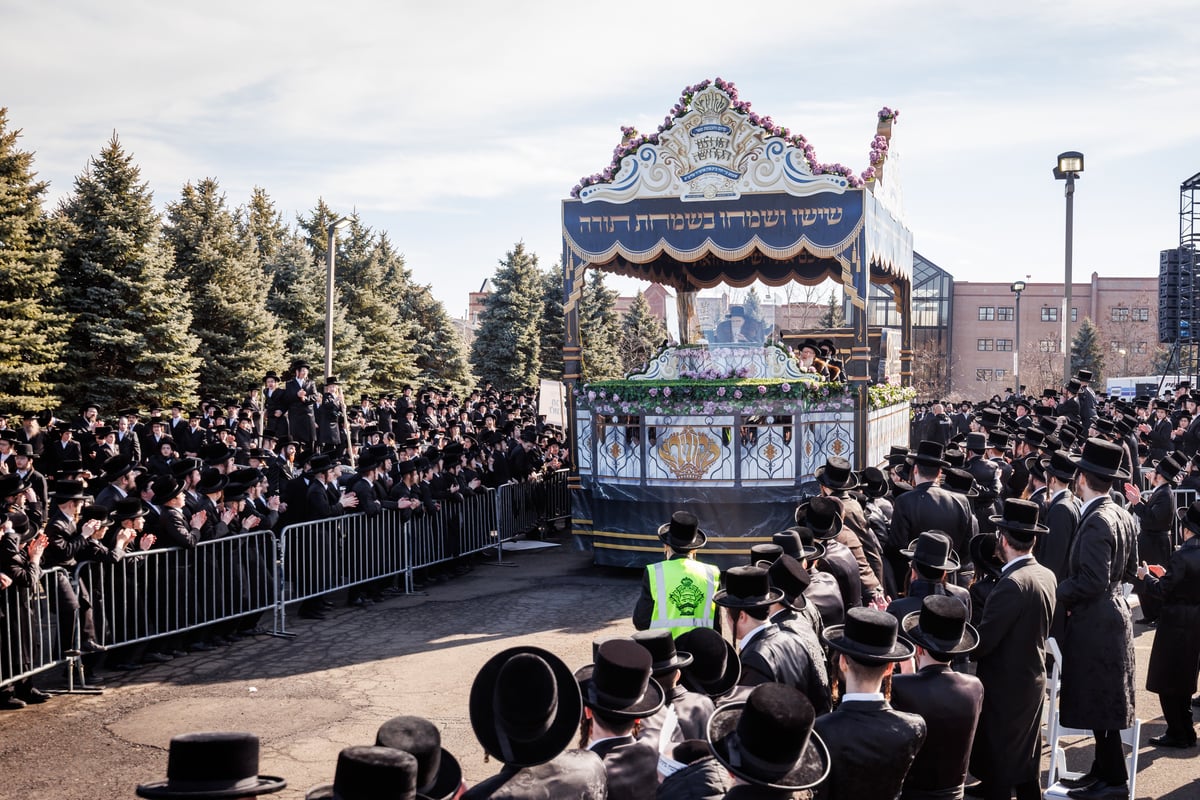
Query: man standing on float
x=677 y=594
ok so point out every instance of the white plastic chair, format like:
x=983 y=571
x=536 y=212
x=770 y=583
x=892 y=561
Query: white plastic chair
x=1130 y=737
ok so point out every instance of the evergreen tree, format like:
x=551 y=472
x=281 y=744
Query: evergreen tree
x=599 y=330
x=835 y=315
x=642 y=334
x=261 y=227
x=129 y=340
x=1086 y=352
x=239 y=337
x=31 y=331
x=441 y=358
x=507 y=346
x=752 y=306
x=553 y=328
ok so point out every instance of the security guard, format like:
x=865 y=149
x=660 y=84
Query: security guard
x=678 y=593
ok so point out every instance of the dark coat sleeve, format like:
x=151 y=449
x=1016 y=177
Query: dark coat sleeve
x=643 y=610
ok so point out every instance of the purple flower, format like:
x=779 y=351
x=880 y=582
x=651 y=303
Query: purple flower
x=616 y=397
x=721 y=391
x=653 y=392
x=762 y=390
x=591 y=395
x=787 y=387
x=666 y=391
x=737 y=393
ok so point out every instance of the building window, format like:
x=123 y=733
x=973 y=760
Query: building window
x=1004 y=313
x=1048 y=345
x=1074 y=315
x=983 y=374
x=1001 y=374
x=1116 y=346
x=1141 y=315
x=1140 y=348
x=1120 y=314
x=983 y=344
x=1004 y=345
x=987 y=313
x=1049 y=314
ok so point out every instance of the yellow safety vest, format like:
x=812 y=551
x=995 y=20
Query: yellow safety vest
x=682 y=590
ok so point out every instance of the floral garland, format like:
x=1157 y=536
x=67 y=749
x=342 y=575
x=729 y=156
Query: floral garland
x=631 y=140
x=883 y=395
x=708 y=397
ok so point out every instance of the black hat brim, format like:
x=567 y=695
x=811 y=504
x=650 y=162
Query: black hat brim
x=725 y=600
x=835 y=637
x=926 y=461
x=1113 y=473
x=810 y=769
x=265 y=784
x=651 y=700
x=559 y=734
x=722 y=685
x=950 y=565
x=820 y=477
x=911 y=625
x=698 y=541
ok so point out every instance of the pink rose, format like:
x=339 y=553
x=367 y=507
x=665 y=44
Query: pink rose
x=762 y=390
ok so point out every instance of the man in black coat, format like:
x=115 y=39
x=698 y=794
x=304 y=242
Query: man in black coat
x=932 y=563
x=1175 y=657
x=795 y=615
x=684 y=714
x=768 y=654
x=948 y=701
x=1062 y=514
x=274 y=410
x=871 y=745
x=928 y=507
x=1097 y=647
x=822 y=517
x=1156 y=512
x=1011 y=659
x=299 y=395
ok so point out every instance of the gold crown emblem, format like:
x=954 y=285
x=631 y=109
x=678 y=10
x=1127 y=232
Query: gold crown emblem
x=689 y=454
x=710 y=103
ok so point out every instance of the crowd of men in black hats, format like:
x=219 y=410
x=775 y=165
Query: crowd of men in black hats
x=92 y=488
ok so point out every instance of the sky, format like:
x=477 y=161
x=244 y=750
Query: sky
x=459 y=127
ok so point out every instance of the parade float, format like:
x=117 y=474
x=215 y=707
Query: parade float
x=734 y=431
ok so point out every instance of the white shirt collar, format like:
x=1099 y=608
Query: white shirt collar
x=745 y=640
x=863 y=697
x=1019 y=558
x=1086 y=506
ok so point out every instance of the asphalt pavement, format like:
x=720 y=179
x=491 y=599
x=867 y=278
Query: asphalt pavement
x=340 y=678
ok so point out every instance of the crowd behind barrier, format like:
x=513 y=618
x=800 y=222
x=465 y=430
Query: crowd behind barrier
x=239 y=580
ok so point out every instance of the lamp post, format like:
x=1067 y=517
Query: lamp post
x=331 y=229
x=1069 y=165
x=1016 y=288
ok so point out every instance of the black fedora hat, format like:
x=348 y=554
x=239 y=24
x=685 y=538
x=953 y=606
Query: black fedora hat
x=68 y=490
x=1189 y=517
x=370 y=773
x=1019 y=519
x=1169 y=468
x=618 y=684
x=525 y=706
x=927 y=454
x=128 y=508
x=661 y=645
x=768 y=739
x=794 y=544
x=300 y=363
x=823 y=516
x=12 y=484
x=746 y=587
x=1059 y=464
x=933 y=549
x=941 y=626
x=873 y=482
x=715 y=668
x=683 y=532
x=983 y=554
x=764 y=555
x=1101 y=458
x=790 y=577
x=320 y=462
x=836 y=473
x=1084 y=376
x=869 y=636
x=897 y=454
x=212 y=481
x=439 y=775
x=960 y=481
x=186 y=466
x=165 y=489
x=212 y=765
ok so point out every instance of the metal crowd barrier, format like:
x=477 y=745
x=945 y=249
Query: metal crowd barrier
x=30 y=638
x=154 y=593
x=1183 y=499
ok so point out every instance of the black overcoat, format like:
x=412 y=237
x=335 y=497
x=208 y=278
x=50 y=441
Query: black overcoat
x=1011 y=660
x=1097 y=647
x=871 y=748
x=1175 y=657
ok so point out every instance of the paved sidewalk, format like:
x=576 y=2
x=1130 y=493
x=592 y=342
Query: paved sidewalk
x=340 y=678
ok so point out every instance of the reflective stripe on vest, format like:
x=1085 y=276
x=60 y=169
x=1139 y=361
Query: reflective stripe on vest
x=666 y=614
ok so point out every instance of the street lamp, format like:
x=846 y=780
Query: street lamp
x=1016 y=288
x=1070 y=164
x=331 y=229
